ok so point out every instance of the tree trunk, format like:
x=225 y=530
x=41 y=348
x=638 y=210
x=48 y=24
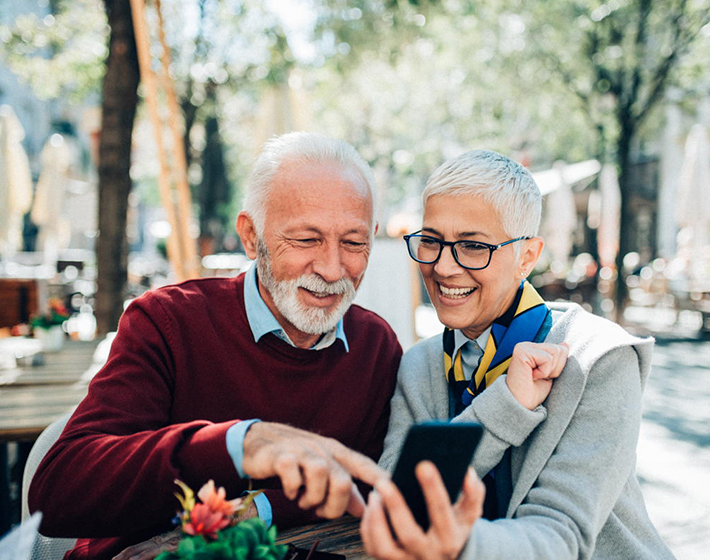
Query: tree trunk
x=626 y=226
x=120 y=99
x=215 y=190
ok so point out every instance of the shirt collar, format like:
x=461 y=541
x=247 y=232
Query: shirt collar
x=460 y=339
x=262 y=321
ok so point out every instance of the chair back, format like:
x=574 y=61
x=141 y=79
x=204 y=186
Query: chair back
x=45 y=548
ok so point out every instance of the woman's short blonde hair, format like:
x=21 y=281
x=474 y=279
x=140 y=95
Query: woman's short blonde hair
x=501 y=182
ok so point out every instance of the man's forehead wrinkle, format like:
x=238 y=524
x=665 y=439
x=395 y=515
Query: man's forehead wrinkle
x=305 y=227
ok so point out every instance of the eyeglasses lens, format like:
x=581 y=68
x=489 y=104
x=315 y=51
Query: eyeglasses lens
x=469 y=254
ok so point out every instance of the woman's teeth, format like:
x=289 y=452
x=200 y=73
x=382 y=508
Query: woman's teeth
x=455 y=293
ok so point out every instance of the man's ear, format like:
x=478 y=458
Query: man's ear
x=532 y=249
x=246 y=229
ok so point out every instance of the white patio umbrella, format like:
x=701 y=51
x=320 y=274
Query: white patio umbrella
x=48 y=208
x=559 y=220
x=15 y=182
x=609 y=216
x=693 y=206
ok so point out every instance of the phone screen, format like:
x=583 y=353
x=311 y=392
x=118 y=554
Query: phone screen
x=449 y=446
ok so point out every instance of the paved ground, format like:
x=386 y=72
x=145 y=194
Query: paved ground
x=674 y=447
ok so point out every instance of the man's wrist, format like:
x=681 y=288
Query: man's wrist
x=263 y=509
x=235 y=443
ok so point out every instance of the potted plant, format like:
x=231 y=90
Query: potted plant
x=48 y=326
x=211 y=530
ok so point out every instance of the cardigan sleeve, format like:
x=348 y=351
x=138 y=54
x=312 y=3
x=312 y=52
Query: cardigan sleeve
x=120 y=453
x=568 y=505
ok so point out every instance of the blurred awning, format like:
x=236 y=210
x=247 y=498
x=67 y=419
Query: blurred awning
x=566 y=174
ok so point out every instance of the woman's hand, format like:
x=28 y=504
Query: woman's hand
x=532 y=368
x=449 y=527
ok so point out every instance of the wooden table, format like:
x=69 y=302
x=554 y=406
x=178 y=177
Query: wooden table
x=340 y=536
x=31 y=398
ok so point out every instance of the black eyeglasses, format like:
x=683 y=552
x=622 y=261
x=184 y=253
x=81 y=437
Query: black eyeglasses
x=472 y=255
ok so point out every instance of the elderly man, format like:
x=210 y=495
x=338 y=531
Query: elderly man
x=558 y=458
x=194 y=365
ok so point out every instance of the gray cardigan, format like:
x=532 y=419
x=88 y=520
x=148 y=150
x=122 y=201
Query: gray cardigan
x=575 y=492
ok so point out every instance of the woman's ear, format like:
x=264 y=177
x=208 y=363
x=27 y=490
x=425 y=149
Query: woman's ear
x=247 y=232
x=532 y=249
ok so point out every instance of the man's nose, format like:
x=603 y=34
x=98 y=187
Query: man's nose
x=328 y=265
x=447 y=265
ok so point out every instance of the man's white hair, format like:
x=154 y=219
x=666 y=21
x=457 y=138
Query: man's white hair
x=501 y=182
x=299 y=147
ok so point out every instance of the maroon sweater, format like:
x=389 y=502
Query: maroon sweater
x=182 y=369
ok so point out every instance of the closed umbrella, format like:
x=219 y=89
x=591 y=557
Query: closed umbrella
x=560 y=218
x=15 y=182
x=693 y=207
x=48 y=210
x=609 y=216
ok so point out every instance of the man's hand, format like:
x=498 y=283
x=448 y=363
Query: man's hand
x=449 y=527
x=149 y=549
x=532 y=369
x=320 y=467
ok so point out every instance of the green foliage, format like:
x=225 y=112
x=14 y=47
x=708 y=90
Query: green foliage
x=56 y=315
x=426 y=83
x=248 y=540
x=618 y=58
x=408 y=82
x=61 y=54
x=411 y=84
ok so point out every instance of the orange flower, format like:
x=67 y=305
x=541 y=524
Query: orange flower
x=216 y=499
x=206 y=522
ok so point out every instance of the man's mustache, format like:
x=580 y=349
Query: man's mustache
x=315 y=283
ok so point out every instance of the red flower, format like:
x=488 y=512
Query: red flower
x=216 y=499
x=205 y=522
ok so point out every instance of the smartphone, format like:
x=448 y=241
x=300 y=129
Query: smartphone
x=449 y=446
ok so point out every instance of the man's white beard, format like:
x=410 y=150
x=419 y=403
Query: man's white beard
x=284 y=293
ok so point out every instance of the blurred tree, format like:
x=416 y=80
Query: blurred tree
x=59 y=55
x=214 y=192
x=434 y=78
x=234 y=50
x=408 y=82
x=412 y=84
x=617 y=58
x=119 y=100
x=63 y=55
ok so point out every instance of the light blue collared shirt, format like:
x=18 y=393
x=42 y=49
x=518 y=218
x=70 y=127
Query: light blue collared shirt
x=471 y=350
x=262 y=322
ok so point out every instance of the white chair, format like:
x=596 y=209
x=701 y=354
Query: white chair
x=45 y=548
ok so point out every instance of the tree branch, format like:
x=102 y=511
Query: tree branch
x=644 y=9
x=683 y=36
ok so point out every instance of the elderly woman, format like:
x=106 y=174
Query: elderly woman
x=557 y=457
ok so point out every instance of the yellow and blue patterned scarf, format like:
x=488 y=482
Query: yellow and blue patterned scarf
x=527 y=319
